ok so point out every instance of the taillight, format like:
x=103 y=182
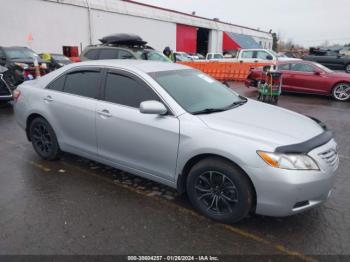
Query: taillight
x=16 y=95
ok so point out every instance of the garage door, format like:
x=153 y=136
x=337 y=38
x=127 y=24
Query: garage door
x=186 y=38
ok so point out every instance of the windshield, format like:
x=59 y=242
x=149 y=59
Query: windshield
x=195 y=91
x=19 y=53
x=156 y=56
x=153 y=55
x=326 y=69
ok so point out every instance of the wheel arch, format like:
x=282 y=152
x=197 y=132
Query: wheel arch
x=29 y=120
x=182 y=178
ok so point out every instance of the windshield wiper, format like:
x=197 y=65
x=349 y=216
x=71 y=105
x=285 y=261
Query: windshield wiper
x=214 y=110
x=208 y=111
x=238 y=103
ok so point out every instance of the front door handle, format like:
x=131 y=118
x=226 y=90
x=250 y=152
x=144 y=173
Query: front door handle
x=48 y=99
x=104 y=112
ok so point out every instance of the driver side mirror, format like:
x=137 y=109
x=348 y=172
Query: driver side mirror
x=317 y=72
x=153 y=107
x=269 y=57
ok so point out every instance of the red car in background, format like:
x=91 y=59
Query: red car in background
x=308 y=77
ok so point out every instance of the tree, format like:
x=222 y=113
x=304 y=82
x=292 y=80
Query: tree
x=275 y=40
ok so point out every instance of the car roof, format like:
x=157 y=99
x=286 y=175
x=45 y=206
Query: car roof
x=296 y=62
x=140 y=65
x=133 y=48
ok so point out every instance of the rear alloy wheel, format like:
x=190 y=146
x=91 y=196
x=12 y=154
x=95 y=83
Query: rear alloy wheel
x=220 y=190
x=341 y=92
x=347 y=68
x=44 y=139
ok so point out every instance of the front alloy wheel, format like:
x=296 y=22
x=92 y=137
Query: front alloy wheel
x=347 y=69
x=216 y=192
x=220 y=190
x=341 y=92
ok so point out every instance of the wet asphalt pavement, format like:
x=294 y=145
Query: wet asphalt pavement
x=76 y=206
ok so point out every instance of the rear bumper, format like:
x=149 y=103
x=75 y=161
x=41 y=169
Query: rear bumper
x=286 y=192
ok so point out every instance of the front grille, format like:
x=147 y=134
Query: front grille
x=330 y=157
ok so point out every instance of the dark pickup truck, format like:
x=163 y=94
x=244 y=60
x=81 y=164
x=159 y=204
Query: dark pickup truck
x=331 y=60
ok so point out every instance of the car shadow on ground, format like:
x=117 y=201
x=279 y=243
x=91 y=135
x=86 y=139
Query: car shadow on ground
x=154 y=189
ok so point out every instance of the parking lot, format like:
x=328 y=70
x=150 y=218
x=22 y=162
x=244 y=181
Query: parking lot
x=75 y=206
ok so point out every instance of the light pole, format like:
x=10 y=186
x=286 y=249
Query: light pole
x=89 y=21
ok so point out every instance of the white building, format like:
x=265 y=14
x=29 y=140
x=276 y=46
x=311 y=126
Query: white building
x=48 y=25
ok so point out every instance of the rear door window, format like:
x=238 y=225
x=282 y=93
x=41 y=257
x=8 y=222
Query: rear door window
x=83 y=83
x=126 y=90
x=302 y=67
x=108 y=53
x=92 y=54
x=248 y=54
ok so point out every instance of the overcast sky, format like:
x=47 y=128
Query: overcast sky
x=306 y=22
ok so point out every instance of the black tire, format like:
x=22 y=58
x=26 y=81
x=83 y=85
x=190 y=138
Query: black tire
x=3 y=103
x=347 y=68
x=44 y=139
x=341 y=92
x=227 y=198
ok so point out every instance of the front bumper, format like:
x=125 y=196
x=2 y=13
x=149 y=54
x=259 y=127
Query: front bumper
x=283 y=192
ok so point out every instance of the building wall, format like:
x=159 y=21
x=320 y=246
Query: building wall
x=54 y=24
x=264 y=42
x=157 y=33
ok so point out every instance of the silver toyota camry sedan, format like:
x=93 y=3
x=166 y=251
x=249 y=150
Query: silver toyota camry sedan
x=177 y=126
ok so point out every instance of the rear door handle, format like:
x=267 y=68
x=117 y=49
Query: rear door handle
x=48 y=99
x=104 y=112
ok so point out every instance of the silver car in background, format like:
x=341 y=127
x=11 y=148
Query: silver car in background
x=177 y=126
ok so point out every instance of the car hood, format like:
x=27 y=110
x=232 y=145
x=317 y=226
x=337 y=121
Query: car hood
x=264 y=123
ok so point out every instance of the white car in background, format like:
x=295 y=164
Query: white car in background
x=181 y=57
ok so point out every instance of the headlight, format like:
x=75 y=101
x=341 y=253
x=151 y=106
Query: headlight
x=22 y=65
x=289 y=161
